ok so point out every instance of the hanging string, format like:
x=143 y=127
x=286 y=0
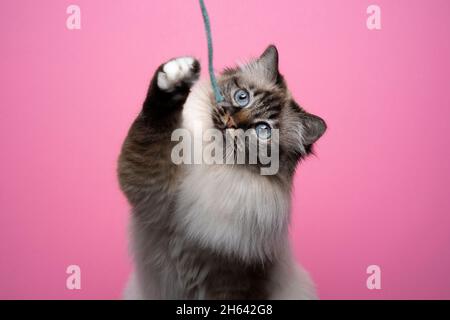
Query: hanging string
x=218 y=95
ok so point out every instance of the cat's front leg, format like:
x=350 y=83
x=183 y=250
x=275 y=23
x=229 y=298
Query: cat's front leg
x=170 y=86
x=146 y=171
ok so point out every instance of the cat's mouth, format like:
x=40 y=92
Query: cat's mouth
x=229 y=122
x=224 y=122
x=229 y=133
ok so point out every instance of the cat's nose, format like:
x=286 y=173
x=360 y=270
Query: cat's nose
x=229 y=122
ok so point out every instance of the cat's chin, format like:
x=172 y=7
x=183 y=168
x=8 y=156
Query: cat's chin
x=221 y=129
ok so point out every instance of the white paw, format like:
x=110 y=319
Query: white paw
x=178 y=71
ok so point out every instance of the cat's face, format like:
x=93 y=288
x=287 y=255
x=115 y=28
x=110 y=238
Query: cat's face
x=256 y=100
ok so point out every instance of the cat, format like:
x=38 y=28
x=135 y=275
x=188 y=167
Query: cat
x=214 y=231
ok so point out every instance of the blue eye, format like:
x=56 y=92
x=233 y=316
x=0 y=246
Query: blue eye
x=242 y=97
x=263 y=131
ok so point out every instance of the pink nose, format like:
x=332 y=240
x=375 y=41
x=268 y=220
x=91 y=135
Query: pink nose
x=230 y=123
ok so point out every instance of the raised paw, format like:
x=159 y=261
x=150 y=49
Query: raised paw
x=179 y=72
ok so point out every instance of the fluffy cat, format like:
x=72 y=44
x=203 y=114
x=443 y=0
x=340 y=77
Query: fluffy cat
x=214 y=231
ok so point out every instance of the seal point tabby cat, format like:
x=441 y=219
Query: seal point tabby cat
x=214 y=231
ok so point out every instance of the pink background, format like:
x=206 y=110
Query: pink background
x=377 y=192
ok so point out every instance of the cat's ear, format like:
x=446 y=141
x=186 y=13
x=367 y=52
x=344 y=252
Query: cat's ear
x=313 y=127
x=268 y=63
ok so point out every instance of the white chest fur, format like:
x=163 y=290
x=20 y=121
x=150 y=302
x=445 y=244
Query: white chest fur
x=225 y=207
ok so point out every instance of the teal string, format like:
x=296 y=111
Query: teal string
x=218 y=95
